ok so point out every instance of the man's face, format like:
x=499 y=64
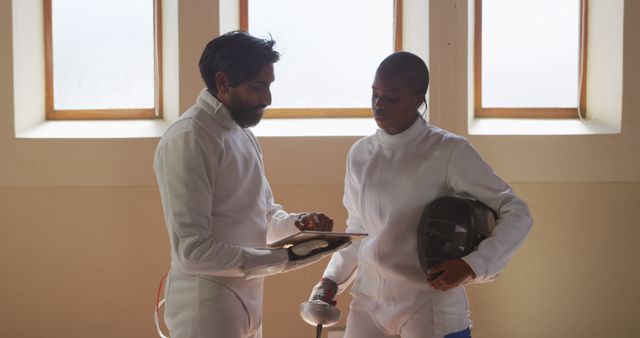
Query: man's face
x=248 y=100
x=393 y=104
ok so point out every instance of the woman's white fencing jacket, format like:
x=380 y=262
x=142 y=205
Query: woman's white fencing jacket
x=389 y=181
x=218 y=209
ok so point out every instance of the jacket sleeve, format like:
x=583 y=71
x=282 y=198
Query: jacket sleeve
x=280 y=224
x=186 y=180
x=343 y=265
x=469 y=173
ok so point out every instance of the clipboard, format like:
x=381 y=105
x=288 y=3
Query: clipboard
x=306 y=235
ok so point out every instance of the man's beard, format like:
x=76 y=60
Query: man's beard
x=243 y=113
x=246 y=116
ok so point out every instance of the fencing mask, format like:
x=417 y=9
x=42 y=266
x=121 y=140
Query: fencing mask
x=452 y=227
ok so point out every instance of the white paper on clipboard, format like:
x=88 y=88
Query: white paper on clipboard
x=306 y=235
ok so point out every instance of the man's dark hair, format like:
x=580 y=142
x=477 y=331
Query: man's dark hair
x=239 y=55
x=408 y=67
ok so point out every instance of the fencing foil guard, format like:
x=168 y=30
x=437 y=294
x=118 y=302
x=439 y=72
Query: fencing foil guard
x=318 y=312
x=452 y=227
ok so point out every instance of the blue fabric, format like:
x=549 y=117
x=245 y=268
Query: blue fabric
x=461 y=334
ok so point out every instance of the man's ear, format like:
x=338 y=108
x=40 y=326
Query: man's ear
x=222 y=82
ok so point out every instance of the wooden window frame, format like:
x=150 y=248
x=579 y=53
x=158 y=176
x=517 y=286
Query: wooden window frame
x=560 y=113
x=325 y=112
x=102 y=114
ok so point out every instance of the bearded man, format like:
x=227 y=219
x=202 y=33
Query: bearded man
x=219 y=209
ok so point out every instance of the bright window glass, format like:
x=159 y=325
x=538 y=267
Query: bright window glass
x=103 y=54
x=530 y=53
x=329 y=49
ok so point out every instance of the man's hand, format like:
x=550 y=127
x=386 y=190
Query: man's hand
x=450 y=274
x=315 y=221
x=305 y=248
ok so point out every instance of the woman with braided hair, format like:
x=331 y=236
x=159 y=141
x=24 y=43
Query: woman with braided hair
x=391 y=176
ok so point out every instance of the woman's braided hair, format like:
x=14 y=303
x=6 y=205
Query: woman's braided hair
x=411 y=69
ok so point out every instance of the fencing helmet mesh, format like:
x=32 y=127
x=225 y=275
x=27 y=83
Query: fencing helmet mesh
x=452 y=227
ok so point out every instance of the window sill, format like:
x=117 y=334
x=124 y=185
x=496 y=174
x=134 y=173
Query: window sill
x=96 y=129
x=495 y=126
x=309 y=128
x=155 y=128
x=315 y=127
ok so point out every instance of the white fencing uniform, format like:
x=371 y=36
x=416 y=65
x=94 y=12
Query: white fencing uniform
x=218 y=208
x=389 y=181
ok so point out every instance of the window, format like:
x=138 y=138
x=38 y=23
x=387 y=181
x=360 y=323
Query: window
x=102 y=59
x=530 y=58
x=329 y=51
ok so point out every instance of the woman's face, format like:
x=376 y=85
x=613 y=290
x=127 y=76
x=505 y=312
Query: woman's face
x=394 y=105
